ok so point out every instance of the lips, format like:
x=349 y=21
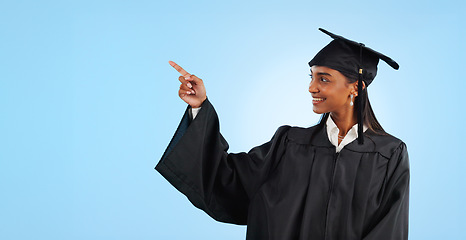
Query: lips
x=316 y=100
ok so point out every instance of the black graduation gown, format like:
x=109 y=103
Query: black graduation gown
x=294 y=186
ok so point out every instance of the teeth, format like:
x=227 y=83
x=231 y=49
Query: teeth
x=318 y=99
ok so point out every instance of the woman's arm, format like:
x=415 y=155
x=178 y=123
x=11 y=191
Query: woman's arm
x=196 y=161
x=198 y=164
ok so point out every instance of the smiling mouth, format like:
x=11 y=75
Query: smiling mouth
x=317 y=100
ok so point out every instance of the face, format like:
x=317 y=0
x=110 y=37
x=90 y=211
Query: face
x=330 y=90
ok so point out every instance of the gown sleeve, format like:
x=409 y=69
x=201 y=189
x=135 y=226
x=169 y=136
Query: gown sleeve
x=391 y=221
x=196 y=163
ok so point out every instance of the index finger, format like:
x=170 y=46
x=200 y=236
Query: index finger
x=179 y=69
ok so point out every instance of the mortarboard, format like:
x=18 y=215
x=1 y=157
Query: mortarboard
x=353 y=59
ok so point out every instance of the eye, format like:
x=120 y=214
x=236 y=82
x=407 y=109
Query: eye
x=324 y=80
x=310 y=75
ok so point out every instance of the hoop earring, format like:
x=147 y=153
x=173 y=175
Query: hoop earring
x=351 y=103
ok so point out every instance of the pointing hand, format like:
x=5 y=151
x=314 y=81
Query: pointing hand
x=192 y=89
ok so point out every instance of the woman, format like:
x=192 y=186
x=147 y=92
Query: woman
x=305 y=183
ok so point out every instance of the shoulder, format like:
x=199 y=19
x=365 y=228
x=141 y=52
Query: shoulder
x=298 y=134
x=386 y=144
x=394 y=150
x=301 y=135
x=310 y=135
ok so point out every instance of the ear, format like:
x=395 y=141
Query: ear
x=354 y=89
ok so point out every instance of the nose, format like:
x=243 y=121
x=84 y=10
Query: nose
x=313 y=87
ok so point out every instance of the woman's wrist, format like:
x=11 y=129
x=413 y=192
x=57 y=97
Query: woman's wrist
x=198 y=105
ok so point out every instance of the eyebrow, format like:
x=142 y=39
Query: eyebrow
x=323 y=73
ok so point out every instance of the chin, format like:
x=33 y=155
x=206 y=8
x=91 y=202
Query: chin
x=318 y=111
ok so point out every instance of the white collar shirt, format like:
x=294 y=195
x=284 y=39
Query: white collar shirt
x=332 y=133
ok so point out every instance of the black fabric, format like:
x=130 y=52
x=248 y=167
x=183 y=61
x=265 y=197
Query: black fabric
x=348 y=57
x=294 y=186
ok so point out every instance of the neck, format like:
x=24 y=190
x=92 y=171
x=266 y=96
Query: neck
x=344 y=121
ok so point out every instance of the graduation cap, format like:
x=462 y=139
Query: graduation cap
x=352 y=59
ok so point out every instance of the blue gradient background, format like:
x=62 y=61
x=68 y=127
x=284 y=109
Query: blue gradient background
x=88 y=104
